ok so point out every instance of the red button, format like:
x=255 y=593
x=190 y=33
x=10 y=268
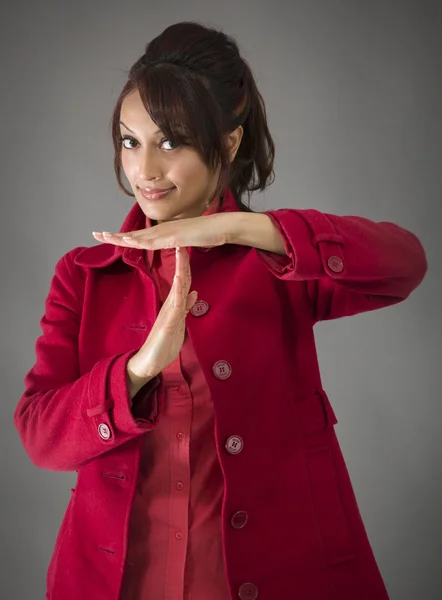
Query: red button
x=179 y=485
x=179 y=535
x=222 y=369
x=248 y=591
x=104 y=431
x=335 y=264
x=234 y=444
x=200 y=308
x=180 y=436
x=239 y=519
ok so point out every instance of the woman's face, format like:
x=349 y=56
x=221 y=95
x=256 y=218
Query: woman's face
x=150 y=161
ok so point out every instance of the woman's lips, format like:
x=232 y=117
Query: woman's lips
x=156 y=195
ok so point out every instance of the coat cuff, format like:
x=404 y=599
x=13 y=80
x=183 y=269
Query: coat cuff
x=129 y=415
x=120 y=415
x=306 y=258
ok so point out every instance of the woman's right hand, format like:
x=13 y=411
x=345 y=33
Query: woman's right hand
x=166 y=337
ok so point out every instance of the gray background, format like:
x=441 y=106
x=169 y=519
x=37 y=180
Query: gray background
x=353 y=95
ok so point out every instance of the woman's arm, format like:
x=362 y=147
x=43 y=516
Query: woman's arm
x=64 y=419
x=350 y=264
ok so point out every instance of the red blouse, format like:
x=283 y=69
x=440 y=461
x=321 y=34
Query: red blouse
x=175 y=545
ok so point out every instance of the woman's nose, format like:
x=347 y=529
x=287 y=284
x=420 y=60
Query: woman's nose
x=150 y=167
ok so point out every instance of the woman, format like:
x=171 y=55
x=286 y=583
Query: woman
x=208 y=465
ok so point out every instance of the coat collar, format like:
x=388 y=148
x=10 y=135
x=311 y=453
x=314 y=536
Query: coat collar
x=103 y=255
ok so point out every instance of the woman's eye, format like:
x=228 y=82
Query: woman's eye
x=126 y=138
x=131 y=140
x=172 y=144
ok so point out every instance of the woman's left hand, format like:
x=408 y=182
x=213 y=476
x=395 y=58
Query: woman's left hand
x=208 y=231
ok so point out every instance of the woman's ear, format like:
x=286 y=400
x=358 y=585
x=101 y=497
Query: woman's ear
x=233 y=141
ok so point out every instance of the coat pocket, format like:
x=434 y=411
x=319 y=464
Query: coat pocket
x=315 y=413
x=328 y=505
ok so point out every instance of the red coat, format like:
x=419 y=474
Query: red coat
x=304 y=536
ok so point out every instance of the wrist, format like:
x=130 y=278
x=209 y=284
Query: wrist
x=239 y=228
x=136 y=379
x=256 y=230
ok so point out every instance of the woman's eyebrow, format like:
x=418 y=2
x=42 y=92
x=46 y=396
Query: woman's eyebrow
x=155 y=133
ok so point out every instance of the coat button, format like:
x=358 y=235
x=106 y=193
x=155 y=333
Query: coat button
x=248 y=591
x=335 y=264
x=199 y=308
x=234 y=444
x=104 y=431
x=222 y=369
x=239 y=519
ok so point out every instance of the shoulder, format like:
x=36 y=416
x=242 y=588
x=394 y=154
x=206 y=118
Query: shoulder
x=84 y=257
x=67 y=262
x=67 y=276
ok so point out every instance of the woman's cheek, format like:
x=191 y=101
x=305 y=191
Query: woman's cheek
x=129 y=169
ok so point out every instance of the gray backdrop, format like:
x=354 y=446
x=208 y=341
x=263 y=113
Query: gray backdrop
x=353 y=94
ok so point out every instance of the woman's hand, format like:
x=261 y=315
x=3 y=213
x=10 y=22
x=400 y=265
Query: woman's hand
x=208 y=231
x=245 y=229
x=166 y=337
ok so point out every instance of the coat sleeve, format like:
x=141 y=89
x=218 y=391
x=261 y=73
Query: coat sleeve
x=350 y=264
x=65 y=420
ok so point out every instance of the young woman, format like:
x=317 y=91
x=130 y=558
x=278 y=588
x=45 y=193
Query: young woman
x=177 y=370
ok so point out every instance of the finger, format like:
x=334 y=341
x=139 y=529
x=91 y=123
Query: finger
x=184 y=269
x=179 y=262
x=98 y=235
x=187 y=266
x=177 y=292
x=141 y=241
x=191 y=299
x=176 y=287
x=128 y=234
x=144 y=233
x=181 y=271
x=126 y=240
x=111 y=238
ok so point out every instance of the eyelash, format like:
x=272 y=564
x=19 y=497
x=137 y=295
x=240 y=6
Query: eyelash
x=122 y=138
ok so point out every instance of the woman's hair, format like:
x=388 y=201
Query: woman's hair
x=196 y=87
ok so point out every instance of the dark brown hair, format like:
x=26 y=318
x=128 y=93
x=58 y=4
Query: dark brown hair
x=196 y=87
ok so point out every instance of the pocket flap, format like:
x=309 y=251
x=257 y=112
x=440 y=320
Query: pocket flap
x=315 y=412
